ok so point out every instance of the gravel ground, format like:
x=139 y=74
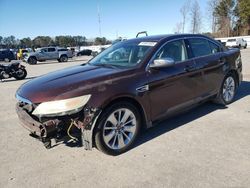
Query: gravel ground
x=207 y=147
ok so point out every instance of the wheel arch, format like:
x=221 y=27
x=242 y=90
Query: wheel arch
x=235 y=74
x=33 y=57
x=132 y=101
x=61 y=55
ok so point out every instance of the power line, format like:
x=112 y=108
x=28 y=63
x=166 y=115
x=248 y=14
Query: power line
x=99 y=19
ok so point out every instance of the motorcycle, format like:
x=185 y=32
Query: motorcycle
x=15 y=70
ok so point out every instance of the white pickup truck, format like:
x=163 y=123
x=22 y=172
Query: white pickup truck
x=236 y=43
x=48 y=53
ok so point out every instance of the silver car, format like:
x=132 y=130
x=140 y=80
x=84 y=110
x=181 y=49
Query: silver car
x=48 y=53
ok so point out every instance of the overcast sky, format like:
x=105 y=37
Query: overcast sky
x=30 y=18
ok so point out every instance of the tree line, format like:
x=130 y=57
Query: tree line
x=226 y=17
x=42 y=41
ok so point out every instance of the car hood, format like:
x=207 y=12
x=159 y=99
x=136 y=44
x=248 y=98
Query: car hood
x=67 y=83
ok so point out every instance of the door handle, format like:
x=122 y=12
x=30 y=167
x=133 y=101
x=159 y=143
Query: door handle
x=190 y=68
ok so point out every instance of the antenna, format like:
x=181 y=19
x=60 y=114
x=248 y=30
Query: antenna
x=99 y=19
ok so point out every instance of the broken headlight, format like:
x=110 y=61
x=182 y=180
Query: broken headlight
x=61 y=107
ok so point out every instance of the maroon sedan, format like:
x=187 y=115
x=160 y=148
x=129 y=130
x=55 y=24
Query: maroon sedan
x=108 y=100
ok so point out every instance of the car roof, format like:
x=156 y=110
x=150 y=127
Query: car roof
x=157 y=38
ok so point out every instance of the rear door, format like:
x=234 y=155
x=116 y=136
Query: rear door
x=172 y=88
x=209 y=61
x=52 y=53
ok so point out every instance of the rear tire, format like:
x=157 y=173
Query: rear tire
x=64 y=58
x=117 y=128
x=245 y=46
x=20 y=74
x=227 y=91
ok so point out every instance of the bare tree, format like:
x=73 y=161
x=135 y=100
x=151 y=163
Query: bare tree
x=195 y=14
x=212 y=4
x=184 y=12
x=178 y=28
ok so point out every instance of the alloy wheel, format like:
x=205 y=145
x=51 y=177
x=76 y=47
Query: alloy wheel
x=119 y=128
x=228 y=89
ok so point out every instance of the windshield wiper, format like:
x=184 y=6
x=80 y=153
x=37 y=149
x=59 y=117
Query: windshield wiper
x=106 y=65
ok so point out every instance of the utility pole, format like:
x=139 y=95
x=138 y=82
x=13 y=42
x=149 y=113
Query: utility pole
x=99 y=19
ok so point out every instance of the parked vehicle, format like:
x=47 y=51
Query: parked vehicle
x=84 y=52
x=6 y=55
x=110 y=100
x=22 y=52
x=15 y=70
x=48 y=53
x=236 y=43
x=223 y=43
x=95 y=53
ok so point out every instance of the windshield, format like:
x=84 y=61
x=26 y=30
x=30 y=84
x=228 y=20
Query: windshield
x=123 y=54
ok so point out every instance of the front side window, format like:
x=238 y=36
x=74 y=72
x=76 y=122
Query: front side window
x=44 y=50
x=200 y=47
x=123 y=54
x=175 y=50
x=214 y=48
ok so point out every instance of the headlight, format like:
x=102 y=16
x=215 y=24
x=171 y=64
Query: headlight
x=61 y=107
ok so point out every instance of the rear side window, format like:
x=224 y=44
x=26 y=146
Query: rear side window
x=200 y=47
x=175 y=50
x=51 y=49
x=63 y=50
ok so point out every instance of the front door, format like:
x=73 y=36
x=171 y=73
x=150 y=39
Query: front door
x=175 y=87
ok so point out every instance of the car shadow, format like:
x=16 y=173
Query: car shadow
x=14 y=80
x=183 y=118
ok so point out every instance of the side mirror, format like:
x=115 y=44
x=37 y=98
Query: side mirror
x=160 y=63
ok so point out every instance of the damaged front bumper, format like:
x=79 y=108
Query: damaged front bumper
x=58 y=128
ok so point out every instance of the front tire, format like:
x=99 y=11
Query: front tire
x=32 y=61
x=118 y=128
x=227 y=91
